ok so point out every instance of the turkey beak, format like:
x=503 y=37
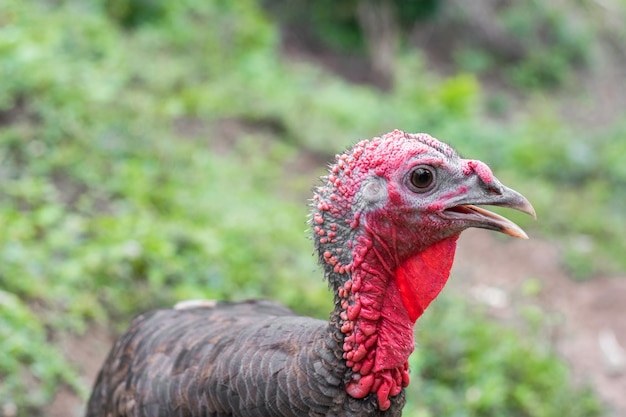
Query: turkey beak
x=494 y=194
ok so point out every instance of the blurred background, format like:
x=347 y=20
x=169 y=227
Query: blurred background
x=154 y=150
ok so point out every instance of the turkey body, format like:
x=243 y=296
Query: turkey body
x=385 y=222
x=247 y=359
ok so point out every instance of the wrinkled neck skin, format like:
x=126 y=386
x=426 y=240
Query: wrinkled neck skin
x=382 y=288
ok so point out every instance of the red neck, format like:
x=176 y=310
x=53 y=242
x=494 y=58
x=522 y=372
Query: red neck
x=380 y=306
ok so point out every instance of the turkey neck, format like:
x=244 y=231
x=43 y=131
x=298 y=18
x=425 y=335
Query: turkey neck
x=383 y=268
x=379 y=294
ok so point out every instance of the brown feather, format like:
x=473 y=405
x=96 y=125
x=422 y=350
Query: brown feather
x=247 y=359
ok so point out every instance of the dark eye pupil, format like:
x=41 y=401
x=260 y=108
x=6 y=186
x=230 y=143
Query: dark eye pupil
x=421 y=178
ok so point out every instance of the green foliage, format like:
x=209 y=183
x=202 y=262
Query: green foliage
x=105 y=212
x=474 y=367
x=541 y=46
x=554 y=43
x=147 y=156
x=542 y=43
x=336 y=24
x=133 y=13
x=583 y=194
x=26 y=351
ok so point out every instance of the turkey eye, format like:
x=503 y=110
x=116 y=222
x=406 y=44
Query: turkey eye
x=421 y=179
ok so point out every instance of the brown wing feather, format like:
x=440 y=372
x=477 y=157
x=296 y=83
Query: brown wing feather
x=250 y=359
x=235 y=359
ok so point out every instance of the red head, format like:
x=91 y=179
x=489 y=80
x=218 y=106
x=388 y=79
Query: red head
x=385 y=225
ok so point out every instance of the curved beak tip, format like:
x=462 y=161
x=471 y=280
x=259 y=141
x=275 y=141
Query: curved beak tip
x=520 y=234
x=526 y=207
x=522 y=204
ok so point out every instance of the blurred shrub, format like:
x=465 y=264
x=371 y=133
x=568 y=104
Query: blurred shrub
x=132 y=13
x=555 y=43
x=26 y=358
x=336 y=25
x=533 y=45
x=459 y=369
x=530 y=44
x=105 y=213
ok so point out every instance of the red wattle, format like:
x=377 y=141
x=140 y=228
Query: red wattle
x=362 y=387
x=422 y=277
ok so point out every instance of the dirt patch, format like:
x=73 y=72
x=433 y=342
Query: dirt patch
x=586 y=319
x=87 y=352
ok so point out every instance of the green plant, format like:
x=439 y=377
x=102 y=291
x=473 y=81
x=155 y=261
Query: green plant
x=26 y=351
x=467 y=365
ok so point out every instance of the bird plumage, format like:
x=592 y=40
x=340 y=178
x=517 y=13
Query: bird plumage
x=256 y=357
x=385 y=224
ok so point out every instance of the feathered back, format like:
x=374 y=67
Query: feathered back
x=249 y=359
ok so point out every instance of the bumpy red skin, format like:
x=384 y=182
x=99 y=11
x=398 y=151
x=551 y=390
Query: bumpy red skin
x=392 y=271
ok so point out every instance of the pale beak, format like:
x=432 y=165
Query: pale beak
x=494 y=194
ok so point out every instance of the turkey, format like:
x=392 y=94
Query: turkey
x=385 y=223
